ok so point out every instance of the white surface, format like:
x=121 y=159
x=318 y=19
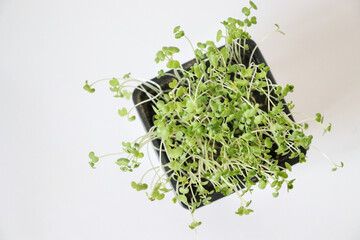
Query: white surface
x=49 y=124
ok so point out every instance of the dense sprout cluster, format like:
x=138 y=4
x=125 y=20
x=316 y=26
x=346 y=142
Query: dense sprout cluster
x=222 y=122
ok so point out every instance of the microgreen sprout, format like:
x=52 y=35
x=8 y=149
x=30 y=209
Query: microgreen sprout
x=223 y=123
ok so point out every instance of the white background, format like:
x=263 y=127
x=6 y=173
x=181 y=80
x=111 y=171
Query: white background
x=49 y=124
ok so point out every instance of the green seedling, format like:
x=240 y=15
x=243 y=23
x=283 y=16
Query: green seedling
x=222 y=123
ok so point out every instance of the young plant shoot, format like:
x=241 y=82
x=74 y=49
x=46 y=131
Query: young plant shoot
x=223 y=124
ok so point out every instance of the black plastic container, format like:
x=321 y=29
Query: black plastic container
x=147 y=113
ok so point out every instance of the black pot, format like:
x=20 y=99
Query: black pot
x=147 y=113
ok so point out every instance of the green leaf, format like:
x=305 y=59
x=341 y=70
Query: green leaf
x=165 y=190
x=160 y=55
x=210 y=43
x=179 y=34
x=247 y=22
x=253 y=5
x=92 y=165
x=163 y=132
x=114 y=82
x=201 y=45
x=139 y=187
x=246 y=11
x=259 y=119
x=240 y=211
x=182 y=198
x=225 y=54
x=127 y=75
x=88 y=88
x=160 y=196
x=302 y=158
x=213 y=59
x=91 y=155
x=247 y=72
x=126 y=144
x=319 y=118
x=240 y=23
x=250 y=113
x=93 y=158
x=173 y=64
x=166 y=51
x=174 y=49
x=262 y=184
x=260 y=75
x=133 y=184
x=218 y=35
x=282 y=174
x=244 y=211
x=176 y=29
x=122 y=161
x=138 y=154
x=199 y=54
x=278 y=90
x=179 y=92
x=194 y=224
x=247 y=136
x=290 y=185
x=268 y=142
x=328 y=129
x=275 y=127
x=144 y=186
x=126 y=94
x=288 y=88
x=183 y=190
x=197 y=70
x=253 y=20
x=248 y=211
x=175 y=152
x=288 y=166
x=174 y=165
x=275 y=194
x=229 y=39
x=122 y=112
x=173 y=83
x=161 y=73
x=241 y=82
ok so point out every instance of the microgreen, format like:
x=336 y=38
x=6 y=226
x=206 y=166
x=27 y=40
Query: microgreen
x=246 y=11
x=222 y=122
x=88 y=88
x=194 y=224
x=93 y=158
x=122 y=112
